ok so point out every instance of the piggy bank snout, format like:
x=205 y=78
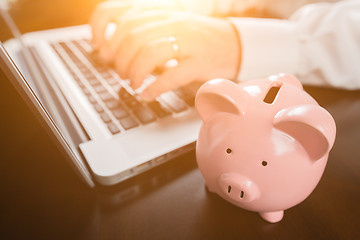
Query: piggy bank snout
x=238 y=188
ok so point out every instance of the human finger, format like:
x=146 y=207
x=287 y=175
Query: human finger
x=172 y=78
x=125 y=25
x=151 y=57
x=133 y=42
x=103 y=14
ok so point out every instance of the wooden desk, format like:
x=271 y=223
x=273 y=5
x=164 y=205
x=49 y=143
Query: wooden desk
x=42 y=198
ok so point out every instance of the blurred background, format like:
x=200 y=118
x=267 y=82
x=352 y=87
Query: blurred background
x=34 y=15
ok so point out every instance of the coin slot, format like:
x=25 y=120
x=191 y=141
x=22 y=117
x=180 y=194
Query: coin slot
x=272 y=94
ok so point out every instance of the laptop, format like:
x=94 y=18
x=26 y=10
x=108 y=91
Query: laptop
x=107 y=131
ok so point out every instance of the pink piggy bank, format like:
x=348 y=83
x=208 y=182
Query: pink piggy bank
x=263 y=144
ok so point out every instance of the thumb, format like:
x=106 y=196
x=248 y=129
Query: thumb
x=171 y=78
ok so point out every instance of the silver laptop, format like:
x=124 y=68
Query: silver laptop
x=108 y=132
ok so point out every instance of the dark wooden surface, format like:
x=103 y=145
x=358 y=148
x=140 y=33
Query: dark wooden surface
x=42 y=198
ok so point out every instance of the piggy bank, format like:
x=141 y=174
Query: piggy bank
x=263 y=144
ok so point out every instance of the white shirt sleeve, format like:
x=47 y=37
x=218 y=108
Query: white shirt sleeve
x=320 y=44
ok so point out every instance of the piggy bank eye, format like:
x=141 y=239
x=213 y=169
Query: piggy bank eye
x=264 y=163
x=228 y=151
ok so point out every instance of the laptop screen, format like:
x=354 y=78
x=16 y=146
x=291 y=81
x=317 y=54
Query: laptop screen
x=11 y=74
x=20 y=67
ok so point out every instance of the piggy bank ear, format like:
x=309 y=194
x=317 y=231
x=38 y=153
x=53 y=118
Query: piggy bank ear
x=311 y=125
x=218 y=95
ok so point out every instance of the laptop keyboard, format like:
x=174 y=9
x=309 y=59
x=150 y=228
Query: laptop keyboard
x=119 y=107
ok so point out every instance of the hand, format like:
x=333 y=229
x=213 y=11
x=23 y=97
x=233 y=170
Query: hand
x=207 y=48
x=103 y=14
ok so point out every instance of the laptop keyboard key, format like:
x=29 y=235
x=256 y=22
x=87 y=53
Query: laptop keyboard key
x=158 y=109
x=99 y=88
x=88 y=75
x=93 y=81
x=105 y=117
x=112 y=104
x=98 y=108
x=186 y=95
x=86 y=92
x=128 y=122
x=144 y=115
x=106 y=75
x=106 y=96
x=91 y=99
x=113 y=128
x=176 y=104
x=111 y=81
x=133 y=103
x=120 y=112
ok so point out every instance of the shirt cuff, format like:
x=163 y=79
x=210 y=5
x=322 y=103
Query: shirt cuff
x=268 y=46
